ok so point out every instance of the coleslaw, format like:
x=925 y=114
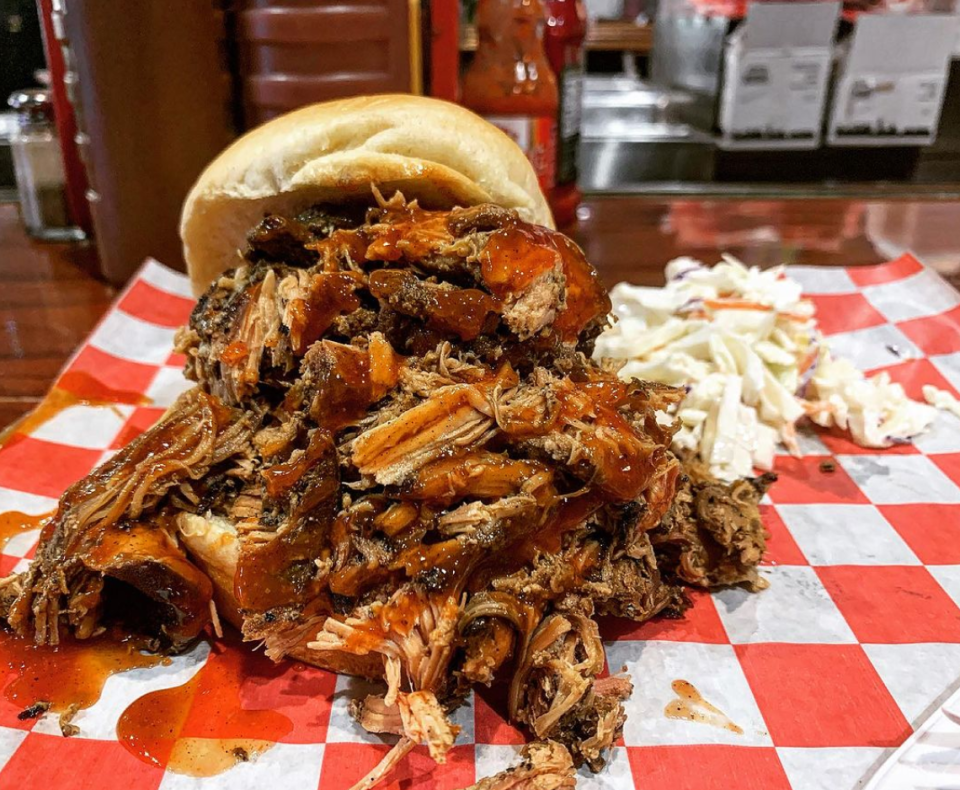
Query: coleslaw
x=745 y=345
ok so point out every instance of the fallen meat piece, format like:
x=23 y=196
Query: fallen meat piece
x=556 y=693
x=102 y=530
x=713 y=534
x=418 y=716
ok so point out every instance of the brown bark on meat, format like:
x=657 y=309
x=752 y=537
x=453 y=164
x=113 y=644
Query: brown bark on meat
x=713 y=534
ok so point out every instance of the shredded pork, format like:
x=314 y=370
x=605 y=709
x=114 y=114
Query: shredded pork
x=429 y=479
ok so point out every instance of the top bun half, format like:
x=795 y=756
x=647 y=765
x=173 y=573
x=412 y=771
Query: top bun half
x=439 y=153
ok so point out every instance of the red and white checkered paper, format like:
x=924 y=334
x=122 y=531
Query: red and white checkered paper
x=828 y=670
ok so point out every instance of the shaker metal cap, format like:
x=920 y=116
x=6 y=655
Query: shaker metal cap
x=33 y=102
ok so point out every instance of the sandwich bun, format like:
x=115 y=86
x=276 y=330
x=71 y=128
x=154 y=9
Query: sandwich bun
x=430 y=150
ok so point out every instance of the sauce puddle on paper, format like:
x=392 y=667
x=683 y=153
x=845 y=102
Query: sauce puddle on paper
x=152 y=730
x=15 y=523
x=691 y=706
x=69 y=676
x=73 y=388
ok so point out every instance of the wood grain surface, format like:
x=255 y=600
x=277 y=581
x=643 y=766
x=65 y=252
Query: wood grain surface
x=49 y=300
x=48 y=303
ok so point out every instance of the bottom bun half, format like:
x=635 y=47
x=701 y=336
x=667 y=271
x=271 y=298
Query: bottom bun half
x=214 y=546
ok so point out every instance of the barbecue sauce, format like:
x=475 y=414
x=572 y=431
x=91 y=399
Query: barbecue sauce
x=71 y=674
x=624 y=461
x=280 y=478
x=331 y=295
x=15 y=523
x=162 y=450
x=73 y=388
x=461 y=311
x=563 y=42
x=398 y=617
x=516 y=256
x=344 y=391
x=625 y=465
x=407 y=231
x=90 y=391
x=281 y=570
x=609 y=391
x=447 y=560
x=511 y=84
x=479 y=474
x=586 y=298
x=349 y=380
x=568 y=515
x=235 y=353
x=403 y=231
x=153 y=730
x=146 y=557
x=691 y=706
x=384 y=246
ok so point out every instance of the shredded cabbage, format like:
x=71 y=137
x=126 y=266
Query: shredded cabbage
x=745 y=344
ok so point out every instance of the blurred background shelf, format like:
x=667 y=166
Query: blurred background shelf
x=605 y=36
x=602 y=36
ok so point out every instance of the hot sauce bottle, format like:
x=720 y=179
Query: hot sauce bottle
x=563 y=40
x=511 y=84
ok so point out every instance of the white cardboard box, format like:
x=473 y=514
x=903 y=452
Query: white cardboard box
x=892 y=81
x=775 y=79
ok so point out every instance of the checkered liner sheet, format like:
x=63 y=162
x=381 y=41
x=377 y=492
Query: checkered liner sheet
x=827 y=671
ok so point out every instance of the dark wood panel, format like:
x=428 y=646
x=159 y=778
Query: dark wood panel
x=603 y=35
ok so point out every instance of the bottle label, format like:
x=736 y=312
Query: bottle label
x=537 y=137
x=571 y=101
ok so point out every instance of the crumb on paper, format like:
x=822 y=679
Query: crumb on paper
x=941 y=399
x=35 y=711
x=66 y=718
x=828 y=467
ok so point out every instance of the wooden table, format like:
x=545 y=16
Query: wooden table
x=48 y=304
x=49 y=301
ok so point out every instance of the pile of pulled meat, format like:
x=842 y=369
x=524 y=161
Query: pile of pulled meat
x=429 y=480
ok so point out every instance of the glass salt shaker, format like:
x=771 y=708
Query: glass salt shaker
x=38 y=166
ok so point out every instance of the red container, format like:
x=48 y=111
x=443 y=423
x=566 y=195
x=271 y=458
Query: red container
x=152 y=101
x=511 y=84
x=297 y=52
x=563 y=40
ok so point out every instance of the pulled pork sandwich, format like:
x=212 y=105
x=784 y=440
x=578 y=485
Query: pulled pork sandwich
x=399 y=460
